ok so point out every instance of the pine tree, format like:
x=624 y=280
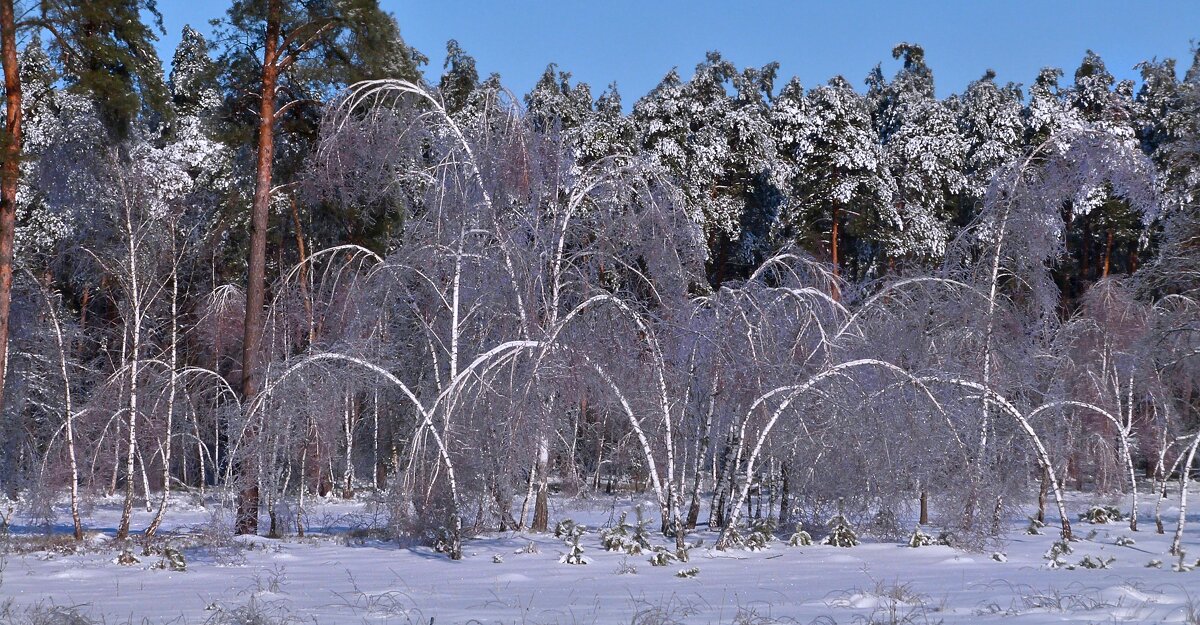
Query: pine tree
x=720 y=149
x=606 y=131
x=42 y=123
x=107 y=53
x=1101 y=223
x=925 y=155
x=193 y=78
x=302 y=50
x=459 y=79
x=989 y=119
x=838 y=178
x=555 y=105
x=1048 y=111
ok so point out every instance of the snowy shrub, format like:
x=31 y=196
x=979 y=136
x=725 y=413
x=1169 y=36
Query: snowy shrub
x=213 y=537
x=497 y=559
x=760 y=536
x=1035 y=527
x=1099 y=515
x=800 y=539
x=920 y=539
x=1124 y=541
x=841 y=533
x=735 y=537
x=625 y=568
x=624 y=536
x=688 y=573
x=126 y=559
x=1057 y=550
x=1154 y=564
x=172 y=559
x=575 y=550
x=564 y=529
x=1089 y=562
x=999 y=557
x=614 y=538
x=442 y=540
x=529 y=548
x=641 y=535
x=662 y=557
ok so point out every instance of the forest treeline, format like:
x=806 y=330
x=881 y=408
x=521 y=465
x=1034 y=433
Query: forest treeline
x=297 y=266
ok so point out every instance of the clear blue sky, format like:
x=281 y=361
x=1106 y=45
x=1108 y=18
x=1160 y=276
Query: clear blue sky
x=635 y=42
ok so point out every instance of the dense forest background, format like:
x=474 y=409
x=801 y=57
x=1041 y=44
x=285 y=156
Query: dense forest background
x=177 y=245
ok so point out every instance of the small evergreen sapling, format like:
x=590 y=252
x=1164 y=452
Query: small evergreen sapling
x=800 y=539
x=688 y=573
x=616 y=538
x=921 y=539
x=1099 y=515
x=761 y=535
x=641 y=535
x=1090 y=562
x=662 y=557
x=841 y=533
x=564 y=529
x=173 y=559
x=1056 y=552
x=575 y=553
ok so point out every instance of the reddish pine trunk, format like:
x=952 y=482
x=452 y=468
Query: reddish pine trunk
x=247 y=504
x=1108 y=245
x=9 y=172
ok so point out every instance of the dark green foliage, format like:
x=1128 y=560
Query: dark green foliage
x=106 y=51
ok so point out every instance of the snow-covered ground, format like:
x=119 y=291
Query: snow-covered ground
x=335 y=579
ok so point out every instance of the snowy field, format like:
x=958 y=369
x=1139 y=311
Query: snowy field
x=332 y=577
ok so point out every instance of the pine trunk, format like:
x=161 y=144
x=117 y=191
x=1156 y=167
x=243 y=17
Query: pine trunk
x=247 y=503
x=9 y=172
x=1108 y=245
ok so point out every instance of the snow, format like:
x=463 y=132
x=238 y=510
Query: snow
x=331 y=578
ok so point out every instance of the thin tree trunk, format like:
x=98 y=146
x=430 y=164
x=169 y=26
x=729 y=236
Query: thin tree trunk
x=705 y=440
x=348 y=425
x=1184 y=474
x=785 y=500
x=376 y=467
x=135 y=297
x=69 y=420
x=247 y=501
x=173 y=387
x=1042 y=492
x=305 y=293
x=541 y=510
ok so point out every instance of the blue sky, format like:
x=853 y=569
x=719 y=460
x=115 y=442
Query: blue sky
x=635 y=42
